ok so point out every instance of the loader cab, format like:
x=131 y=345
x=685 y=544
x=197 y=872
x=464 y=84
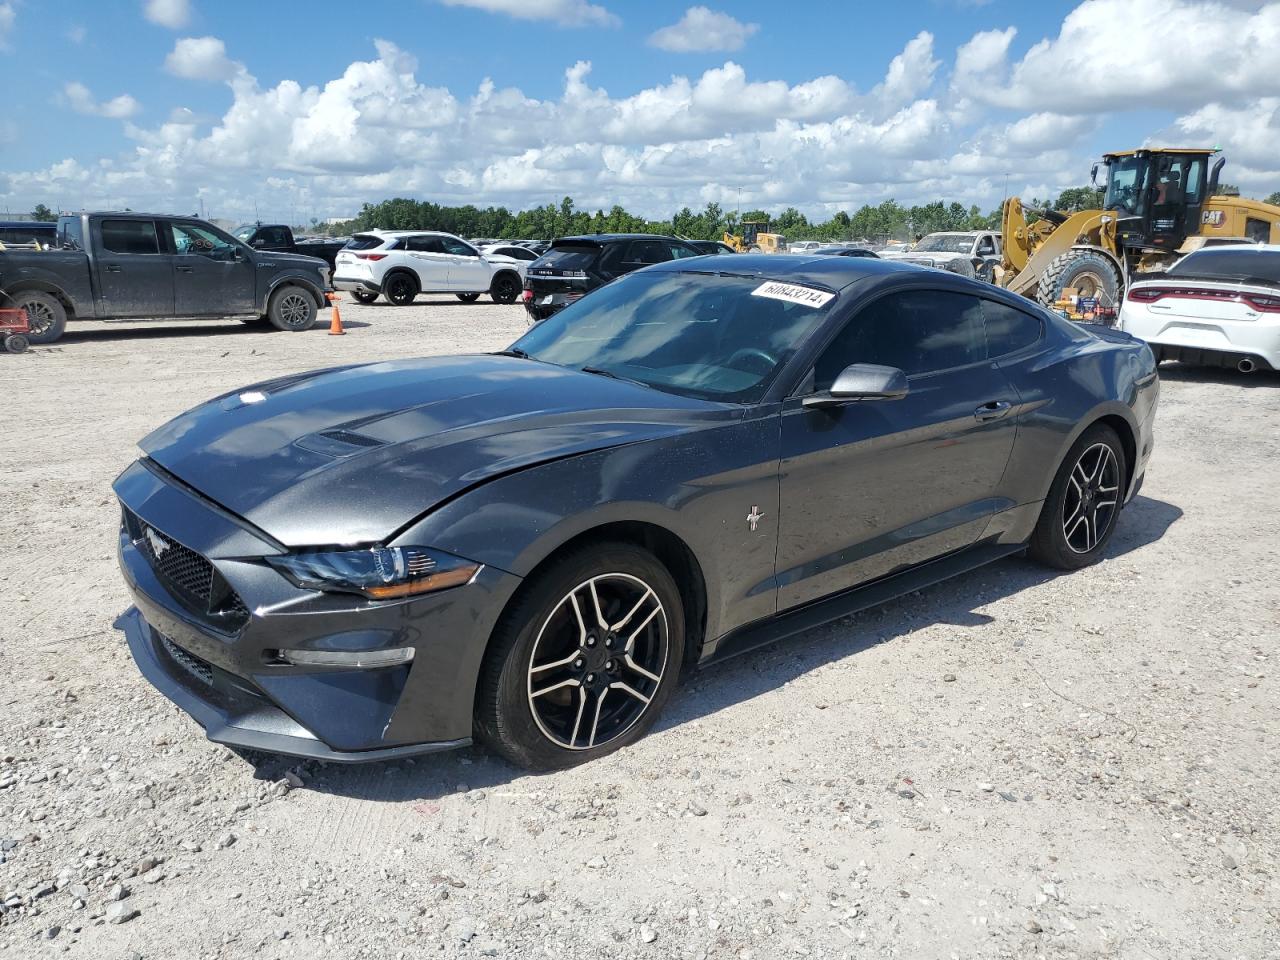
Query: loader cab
x=751 y=230
x=1156 y=195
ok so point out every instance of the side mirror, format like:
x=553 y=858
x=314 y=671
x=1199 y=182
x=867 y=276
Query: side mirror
x=862 y=381
x=259 y=242
x=1093 y=175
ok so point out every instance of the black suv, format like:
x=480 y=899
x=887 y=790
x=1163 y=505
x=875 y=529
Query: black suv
x=574 y=266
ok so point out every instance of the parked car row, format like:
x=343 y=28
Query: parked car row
x=400 y=264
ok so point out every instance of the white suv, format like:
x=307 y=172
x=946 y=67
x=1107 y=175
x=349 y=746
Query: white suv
x=400 y=264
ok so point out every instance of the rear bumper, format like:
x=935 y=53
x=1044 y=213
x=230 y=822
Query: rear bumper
x=1206 y=341
x=350 y=284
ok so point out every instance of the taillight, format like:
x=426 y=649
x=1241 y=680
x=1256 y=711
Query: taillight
x=526 y=295
x=1263 y=303
x=1145 y=294
x=372 y=256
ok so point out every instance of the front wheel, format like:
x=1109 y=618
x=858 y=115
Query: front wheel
x=584 y=660
x=1090 y=273
x=1079 y=515
x=291 y=310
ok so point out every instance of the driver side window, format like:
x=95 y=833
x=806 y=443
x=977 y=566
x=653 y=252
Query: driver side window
x=190 y=239
x=917 y=331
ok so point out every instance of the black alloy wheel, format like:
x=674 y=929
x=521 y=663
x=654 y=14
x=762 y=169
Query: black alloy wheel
x=400 y=289
x=1080 y=513
x=506 y=288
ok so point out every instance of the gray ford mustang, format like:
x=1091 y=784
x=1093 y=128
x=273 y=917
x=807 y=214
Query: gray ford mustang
x=530 y=547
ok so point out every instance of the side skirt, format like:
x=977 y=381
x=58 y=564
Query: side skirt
x=838 y=605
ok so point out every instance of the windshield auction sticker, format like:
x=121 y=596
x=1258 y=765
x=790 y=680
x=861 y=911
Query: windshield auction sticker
x=792 y=293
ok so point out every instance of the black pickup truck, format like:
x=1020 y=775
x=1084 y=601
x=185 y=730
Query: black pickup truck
x=279 y=238
x=134 y=266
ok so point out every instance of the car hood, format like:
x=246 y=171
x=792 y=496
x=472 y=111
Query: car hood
x=353 y=454
x=924 y=255
x=272 y=257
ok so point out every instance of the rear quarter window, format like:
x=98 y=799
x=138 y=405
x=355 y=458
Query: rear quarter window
x=1009 y=330
x=129 y=236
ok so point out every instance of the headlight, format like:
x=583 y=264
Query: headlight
x=380 y=573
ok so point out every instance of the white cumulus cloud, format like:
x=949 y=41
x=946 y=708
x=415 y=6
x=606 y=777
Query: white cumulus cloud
x=82 y=100
x=174 y=14
x=202 y=58
x=702 y=29
x=567 y=13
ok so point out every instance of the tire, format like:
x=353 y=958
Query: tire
x=364 y=296
x=538 y=719
x=45 y=313
x=961 y=268
x=400 y=289
x=505 y=288
x=16 y=343
x=1092 y=272
x=467 y=297
x=291 y=309
x=1065 y=543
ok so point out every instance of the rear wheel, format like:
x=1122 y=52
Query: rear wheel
x=291 y=310
x=364 y=296
x=45 y=314
x=468 y=297
x=1079 y=515
x=506 y=288
x=1089 y=273
x=400 y=289
x=584 y=660
x=16 y=343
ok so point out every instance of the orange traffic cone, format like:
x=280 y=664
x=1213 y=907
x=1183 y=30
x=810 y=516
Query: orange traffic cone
x=335 y=325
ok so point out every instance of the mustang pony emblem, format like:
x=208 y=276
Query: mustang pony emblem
x=158 y=543
x=753 y=517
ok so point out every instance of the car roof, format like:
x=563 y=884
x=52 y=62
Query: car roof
x=603 y=238
x=835 y=273
x=409 y=233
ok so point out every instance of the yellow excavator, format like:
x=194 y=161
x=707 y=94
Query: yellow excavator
x=1158 y=205
x=755 y=238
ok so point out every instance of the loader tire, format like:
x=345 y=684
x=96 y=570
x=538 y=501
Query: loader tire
x=1091 y=273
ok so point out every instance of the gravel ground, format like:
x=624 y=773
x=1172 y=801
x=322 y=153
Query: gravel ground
x=1012 y=764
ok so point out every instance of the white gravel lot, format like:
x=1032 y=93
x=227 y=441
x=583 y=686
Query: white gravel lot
x=1012 y=764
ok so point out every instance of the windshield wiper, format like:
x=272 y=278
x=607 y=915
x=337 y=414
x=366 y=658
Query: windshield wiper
x=513 y=352
x=613 y=376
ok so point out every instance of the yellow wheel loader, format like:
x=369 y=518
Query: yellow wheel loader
x=1159 y=204
x=755 y=238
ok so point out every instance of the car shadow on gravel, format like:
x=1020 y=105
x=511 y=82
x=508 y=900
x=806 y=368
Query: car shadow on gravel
x=740 y=679
x=157 y=332
x=1184 y=373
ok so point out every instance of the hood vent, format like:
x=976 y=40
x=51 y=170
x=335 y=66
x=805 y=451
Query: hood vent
x=338 y=443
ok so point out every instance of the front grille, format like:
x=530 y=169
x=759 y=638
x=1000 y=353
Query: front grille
x=192 y=579
x=189 y=662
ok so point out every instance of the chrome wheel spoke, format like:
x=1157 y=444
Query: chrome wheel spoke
x=595 y=724
x=627 y=688
x=631 y=640
x=632 y=665
x=562 y=662
x=577 y=721
x=582 y=624
x=627 y=619
x=570 y=682
x=595 y=601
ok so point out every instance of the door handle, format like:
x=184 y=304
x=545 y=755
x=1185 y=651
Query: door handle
x=112 y=268
x=184 y=269
x=993 y=410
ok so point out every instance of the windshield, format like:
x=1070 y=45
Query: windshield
x=1125 y=185
x=1230 y=263
x=695 y=334
x=945 y=243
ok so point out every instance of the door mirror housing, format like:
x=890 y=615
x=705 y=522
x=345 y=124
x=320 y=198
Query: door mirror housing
x=862 y=381
x=259 y=242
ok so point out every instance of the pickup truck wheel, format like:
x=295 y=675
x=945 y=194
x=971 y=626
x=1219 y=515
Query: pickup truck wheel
x=45 y=313
x=292 y=310
x=468 y=297
x=506 y=287
x=364 y=296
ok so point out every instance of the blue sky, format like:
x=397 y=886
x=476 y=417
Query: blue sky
x=319 y=107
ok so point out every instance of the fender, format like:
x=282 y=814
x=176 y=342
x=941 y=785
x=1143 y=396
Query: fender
x=297 y=280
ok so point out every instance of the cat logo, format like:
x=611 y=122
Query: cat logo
x=1213 y=218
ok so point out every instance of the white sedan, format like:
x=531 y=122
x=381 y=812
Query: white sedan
x=509 y=255
x=1219 y=306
